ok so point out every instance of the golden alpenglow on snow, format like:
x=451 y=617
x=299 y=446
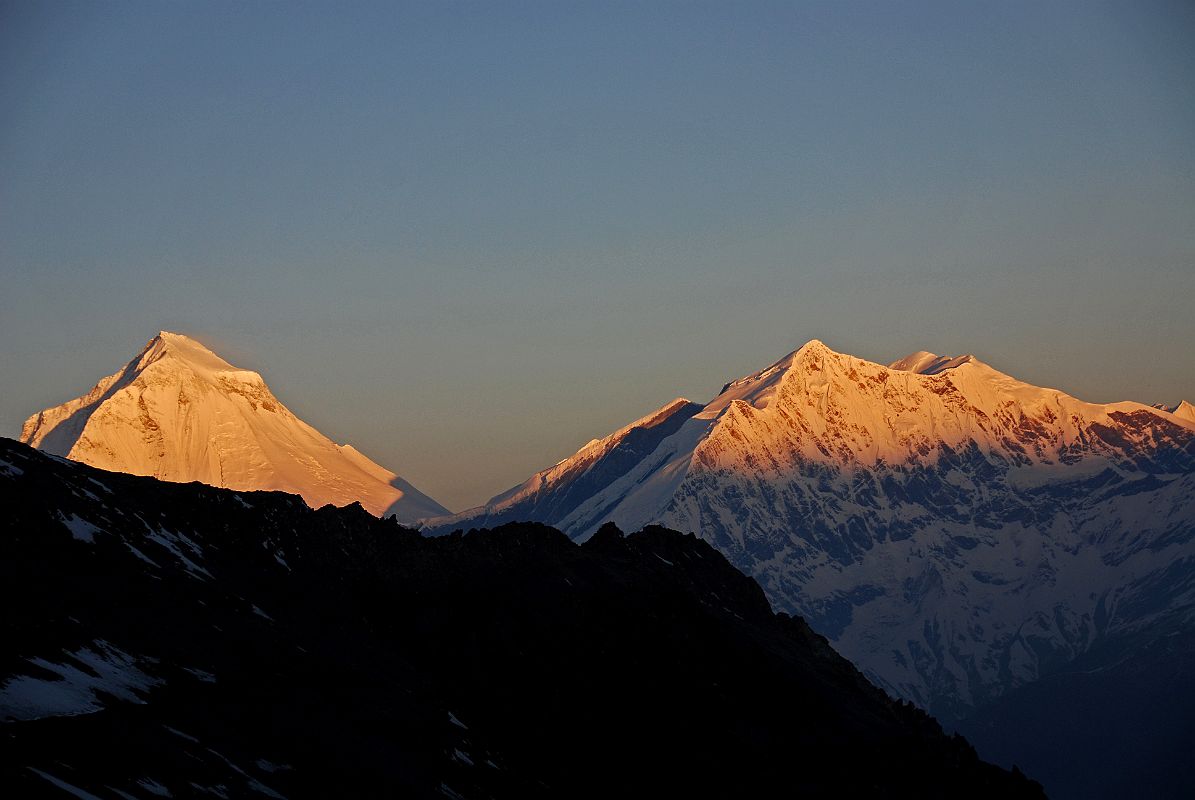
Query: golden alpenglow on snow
x=179 y=412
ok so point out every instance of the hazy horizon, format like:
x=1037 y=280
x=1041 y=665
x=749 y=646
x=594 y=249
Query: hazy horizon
x=468 y=238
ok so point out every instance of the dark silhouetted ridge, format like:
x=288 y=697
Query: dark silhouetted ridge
x=201 y=641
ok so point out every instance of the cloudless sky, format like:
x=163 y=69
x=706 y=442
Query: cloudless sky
x=468 y=238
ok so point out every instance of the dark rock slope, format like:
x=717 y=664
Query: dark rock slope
x=179 y=640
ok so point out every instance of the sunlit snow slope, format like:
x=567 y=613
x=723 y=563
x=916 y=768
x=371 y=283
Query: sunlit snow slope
x=954 y=531
x=1184 y=411
x=179 y=412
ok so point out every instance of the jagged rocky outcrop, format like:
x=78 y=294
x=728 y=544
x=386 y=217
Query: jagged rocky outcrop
x=179 y=412
x=181 y=640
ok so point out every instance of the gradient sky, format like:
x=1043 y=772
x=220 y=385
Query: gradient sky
x=468 y=238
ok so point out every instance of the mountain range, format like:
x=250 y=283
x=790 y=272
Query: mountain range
x=953 y=531
x=971 y=542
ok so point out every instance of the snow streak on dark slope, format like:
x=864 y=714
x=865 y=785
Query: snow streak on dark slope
x=180 y=640
x=955 y=532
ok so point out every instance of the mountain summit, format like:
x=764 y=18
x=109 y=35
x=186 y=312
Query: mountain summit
x=924 y=362
x=181 y=413
x=1184 y=410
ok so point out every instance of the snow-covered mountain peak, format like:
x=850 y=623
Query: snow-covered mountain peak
x=947 y=526
x=1184 y=411
x=179 y=412
x=915 y=362
x=924 y=362
x=813 y=347
x=177 y=351
x=758 y=388
x=183 y=343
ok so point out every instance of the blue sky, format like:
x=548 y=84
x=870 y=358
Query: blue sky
x=470 y=237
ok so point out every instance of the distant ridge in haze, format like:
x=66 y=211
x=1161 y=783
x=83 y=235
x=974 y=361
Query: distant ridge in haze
x=181 y=413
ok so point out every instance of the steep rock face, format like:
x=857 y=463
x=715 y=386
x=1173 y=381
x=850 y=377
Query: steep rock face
x=194 y=641
x=955 y=532
x=179 y=412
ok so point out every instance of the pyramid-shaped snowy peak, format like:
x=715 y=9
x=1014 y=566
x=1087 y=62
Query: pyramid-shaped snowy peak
x=179 y=412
